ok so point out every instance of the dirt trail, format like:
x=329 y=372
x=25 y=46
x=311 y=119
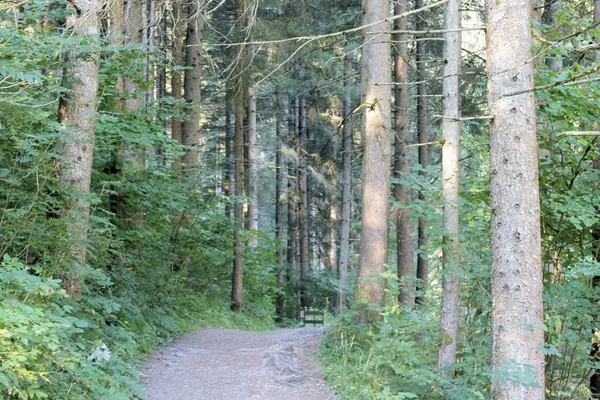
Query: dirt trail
x=219 y=364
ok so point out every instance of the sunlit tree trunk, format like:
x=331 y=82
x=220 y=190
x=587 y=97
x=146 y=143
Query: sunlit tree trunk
x=77 y=115
x=190 y=131
x=404 y=231
x=344 y=258
x=376 y=174
x=423 y=137
x=451 y=127
x=517 y=311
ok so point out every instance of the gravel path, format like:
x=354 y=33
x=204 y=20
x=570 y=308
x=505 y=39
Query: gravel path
x=220 y=364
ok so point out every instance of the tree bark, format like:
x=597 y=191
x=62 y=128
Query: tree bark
x=344 y=259
x=190 y=131
x=238 y=260
x=279 y=206
x=404 y=231
x=303 y=205
x=77 y=114
x=228 y=175
x=423 y=137
x=376 y=73
x=178 y=33
x=517 y=311
x=252 y=167
x=451 y=127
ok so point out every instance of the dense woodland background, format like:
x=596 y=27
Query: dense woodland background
x=169 y=164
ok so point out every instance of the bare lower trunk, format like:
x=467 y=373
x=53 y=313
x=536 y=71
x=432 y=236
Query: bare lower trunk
x=517 y=311
x=451 y=127
x=376 y=72
x=190 y=134
x=423 y=137
x=404 y=231
x=77 y=114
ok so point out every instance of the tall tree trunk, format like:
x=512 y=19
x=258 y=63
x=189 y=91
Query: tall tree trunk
x=77 y=114
x=228 y=175
x=376 y=73
x=238 y=210
x=176 y=76
x=595 y=351
x=252 y=167
x=404 y=231
x=517 y=311
x=190 y=131
x=451 y=127
x=279 y=205
x=346 y=190
x=303 y=209
x=423 y=137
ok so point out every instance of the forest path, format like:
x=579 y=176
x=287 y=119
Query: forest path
x=220 y=364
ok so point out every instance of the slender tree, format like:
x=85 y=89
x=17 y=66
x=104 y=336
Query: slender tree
x=344 y=259
x=517 y=311
x=451 y=127
x=423 y=137
x=238 y=261
x=178 y=33
x=190 y=133
x=279 y=204
x=77 y=114
x=303 y=203
x=376 y=74
x=252 y=166
x=404 y=231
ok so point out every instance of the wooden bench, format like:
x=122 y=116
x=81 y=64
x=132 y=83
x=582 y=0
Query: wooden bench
x=313 y=317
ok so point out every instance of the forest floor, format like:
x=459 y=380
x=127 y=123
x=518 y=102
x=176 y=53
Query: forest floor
x=215 y=364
